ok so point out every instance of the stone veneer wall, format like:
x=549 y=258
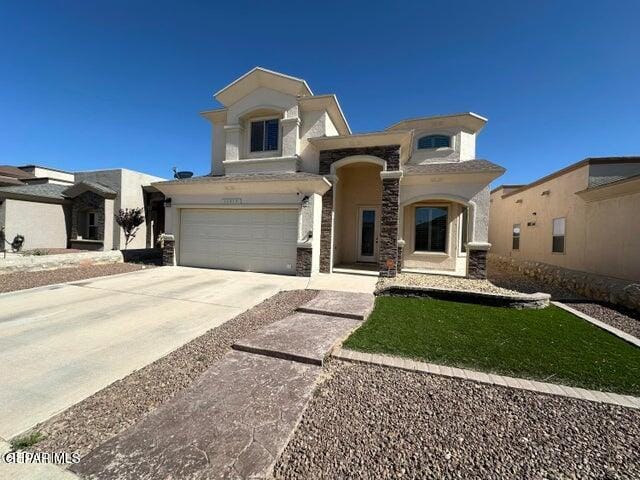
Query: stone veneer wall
x=477 y=264
x=593 y=286
x=389 y=153
x=303 y=262
x=388 y=249
x=325 y=231
x=83 y=202
x=168 y=250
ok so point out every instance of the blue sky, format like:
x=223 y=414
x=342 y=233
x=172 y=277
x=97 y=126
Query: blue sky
x=86 y=85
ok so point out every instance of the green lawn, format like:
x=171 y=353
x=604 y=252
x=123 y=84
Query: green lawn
x=549 y=345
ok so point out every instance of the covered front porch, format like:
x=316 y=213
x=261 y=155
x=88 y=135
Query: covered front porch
x=382 y=216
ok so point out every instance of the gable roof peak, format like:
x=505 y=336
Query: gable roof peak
x=261 y=77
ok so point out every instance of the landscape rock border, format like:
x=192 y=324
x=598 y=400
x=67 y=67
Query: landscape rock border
x=37 y=263
x=590 y=285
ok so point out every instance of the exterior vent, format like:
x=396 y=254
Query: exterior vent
x=519 y=200
x=546 y=192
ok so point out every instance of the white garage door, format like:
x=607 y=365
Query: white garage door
x=232 y=239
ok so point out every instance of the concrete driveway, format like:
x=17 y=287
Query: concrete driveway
x=62 y=343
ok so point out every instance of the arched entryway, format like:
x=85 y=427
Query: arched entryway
x=383 y=160
x=358 y=212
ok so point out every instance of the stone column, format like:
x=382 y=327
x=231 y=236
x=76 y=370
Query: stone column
x=389 y=223
x=303 y=260
x=168 y=251
x=477 y=260
x=326 y=230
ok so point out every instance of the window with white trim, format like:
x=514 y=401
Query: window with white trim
x=515 y=237
x=264 y=135
x=558 y=234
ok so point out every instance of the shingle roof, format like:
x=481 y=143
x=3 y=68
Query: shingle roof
x=15 y=172
x=469 y=166
x=7 y=181
x=81 y=187
x=249 y=177
x=54 y=191
x=51 y=191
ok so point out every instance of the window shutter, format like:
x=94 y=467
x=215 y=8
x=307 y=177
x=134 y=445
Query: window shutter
x=271 y=135
x=257 y=134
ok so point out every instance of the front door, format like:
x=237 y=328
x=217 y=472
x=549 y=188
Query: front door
x=368 y=221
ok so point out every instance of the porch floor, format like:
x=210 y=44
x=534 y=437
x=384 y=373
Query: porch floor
x=369 y=269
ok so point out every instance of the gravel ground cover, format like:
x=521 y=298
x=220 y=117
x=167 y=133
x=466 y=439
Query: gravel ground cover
x=91 y=422
x=368 y=422
x=623 y=319
x=11 y=282
x=443 y=281
x=550 y=345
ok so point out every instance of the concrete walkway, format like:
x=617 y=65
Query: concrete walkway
x=237 y=418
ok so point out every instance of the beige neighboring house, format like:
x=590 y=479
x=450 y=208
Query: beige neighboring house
x=293 y=190
x=585 y=217
x=57 y=209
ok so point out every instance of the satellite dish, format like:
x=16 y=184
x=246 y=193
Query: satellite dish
x=181 y=175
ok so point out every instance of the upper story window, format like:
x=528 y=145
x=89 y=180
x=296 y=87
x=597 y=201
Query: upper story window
x=264 y=135
x=434 y=141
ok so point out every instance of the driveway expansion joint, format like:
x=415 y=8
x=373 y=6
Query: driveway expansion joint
x=491 y=378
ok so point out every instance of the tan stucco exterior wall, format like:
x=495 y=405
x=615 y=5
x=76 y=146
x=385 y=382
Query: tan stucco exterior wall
x=43 y=225
x=601 y=237
x=359 y=185
x=612 y=232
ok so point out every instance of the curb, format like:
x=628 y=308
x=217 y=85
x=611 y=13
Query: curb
x=407 y=364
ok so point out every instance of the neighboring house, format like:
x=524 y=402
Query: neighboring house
x=292 y=190
x=585 y=217
x=57 y=209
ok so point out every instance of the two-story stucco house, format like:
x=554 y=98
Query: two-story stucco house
x=292 y=190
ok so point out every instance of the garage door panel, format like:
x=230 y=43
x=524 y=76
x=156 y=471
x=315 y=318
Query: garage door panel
x=250 y=240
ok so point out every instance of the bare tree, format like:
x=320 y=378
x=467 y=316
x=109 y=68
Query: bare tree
x=130 y=221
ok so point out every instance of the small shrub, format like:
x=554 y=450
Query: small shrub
x=26 y=441
x=130 y=221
